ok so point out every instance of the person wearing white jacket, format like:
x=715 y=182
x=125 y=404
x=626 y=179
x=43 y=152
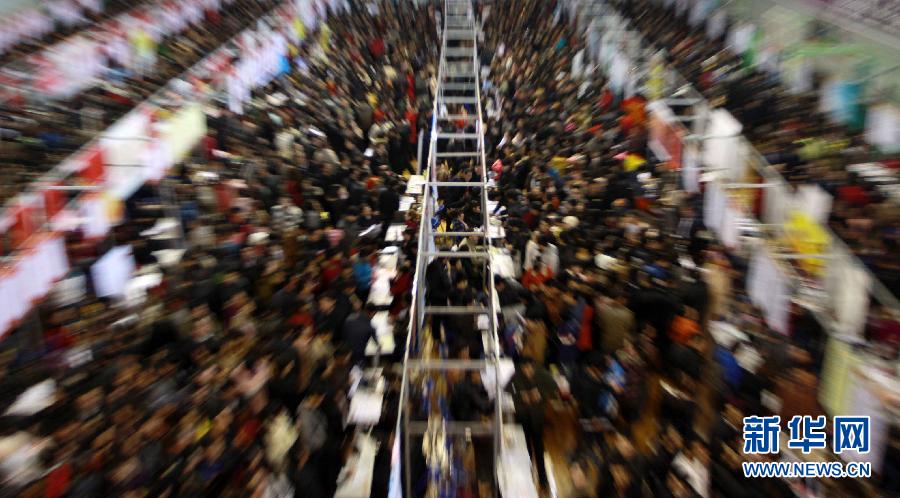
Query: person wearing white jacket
x=550 y=255
x=532 y=251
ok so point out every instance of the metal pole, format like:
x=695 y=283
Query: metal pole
x=419 y=152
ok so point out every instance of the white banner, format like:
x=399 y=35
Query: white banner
x=182 y=131
x=720 y=216
x=814 y=201
x=31 y=277
x=93 y=216
x=110 y=274
x=690 y=169
x=883 y=127
x=848 y=286
x=777 y=202
x=57 y=75
x=769 y=289
x=722 y=147
x=124 y=151
x=728 y=230
x=714 y=204
x=716 y=24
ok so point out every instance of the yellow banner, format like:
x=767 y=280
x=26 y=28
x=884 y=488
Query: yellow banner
x=805 y=236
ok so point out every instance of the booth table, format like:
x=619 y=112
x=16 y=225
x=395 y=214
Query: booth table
x=355 y=479
x=380 y=295
x=515 y=476
x=415 y=185
x=395 y=232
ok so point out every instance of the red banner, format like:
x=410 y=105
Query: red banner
x=92 y=169
x=54 y=201
x=23 y=225
x=669 y=136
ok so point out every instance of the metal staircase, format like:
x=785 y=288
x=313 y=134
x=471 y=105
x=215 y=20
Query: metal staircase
x=457 y=140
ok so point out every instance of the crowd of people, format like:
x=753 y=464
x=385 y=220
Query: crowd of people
x=619 y=287
x=37 y=134
x=801 y=141
x=232 y=377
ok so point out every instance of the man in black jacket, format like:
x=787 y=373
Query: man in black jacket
x=306 y=477
x=437 y=276
x=530 y=414
x=388 y=205
x=468 y=399
x=358 y=329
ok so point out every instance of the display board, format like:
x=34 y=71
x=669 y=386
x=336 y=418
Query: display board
x=838 y=361
x=866 y=396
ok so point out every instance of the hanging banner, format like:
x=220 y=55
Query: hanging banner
x=777 y=201
x=849 y=287
x=124 y=148
x=24 y=223
x=58 y=77
x=690 y=169
x=842 y=101
x=814 y=201
x=666 y=134
x=721 y=216
x=769 y=289
x=728 y=229
x=111 y=273
x=182 y=131
x=807 y=237
x=94 y=215
x=30 y=277
x=722 y=147
x=54 y=200
x=883 y=127
x=91 y=168
x=714 y=203
x=618 y=73
x=716 y=24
